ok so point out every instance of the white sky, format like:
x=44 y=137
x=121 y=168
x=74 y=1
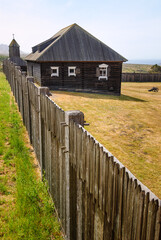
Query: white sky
x=132 y=28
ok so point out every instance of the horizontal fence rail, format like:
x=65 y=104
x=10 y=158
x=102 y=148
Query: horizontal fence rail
x=96 y=197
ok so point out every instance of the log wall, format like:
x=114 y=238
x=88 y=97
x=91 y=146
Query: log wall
x=86 y=77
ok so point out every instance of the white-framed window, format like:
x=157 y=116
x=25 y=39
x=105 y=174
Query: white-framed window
x=103 y=72
x=54 y=71
x=71 y=71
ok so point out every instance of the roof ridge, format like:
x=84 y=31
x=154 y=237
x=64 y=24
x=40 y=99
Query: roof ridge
x=57 y=39
x=71 y=25
x=100 y=41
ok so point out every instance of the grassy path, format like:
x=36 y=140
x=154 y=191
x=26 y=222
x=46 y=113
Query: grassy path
x=129 y=126
x=26 y=210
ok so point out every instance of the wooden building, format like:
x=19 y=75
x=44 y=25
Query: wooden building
x=75 y=60
x=14 y=55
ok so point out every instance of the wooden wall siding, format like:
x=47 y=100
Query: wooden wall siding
x=86 y=77
x=29 y=68
x=33 y=69
x=141 y=77
x=95 y=195
x=14 y=51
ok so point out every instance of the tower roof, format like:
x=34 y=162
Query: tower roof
x=14 y=43
x=73 y=43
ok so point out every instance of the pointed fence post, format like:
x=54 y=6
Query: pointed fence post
x=28 y=110
x=78 y=117
x=45 y=91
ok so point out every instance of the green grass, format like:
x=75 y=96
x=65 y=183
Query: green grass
x=129 y=126
x=26 y=210
x=3 y=188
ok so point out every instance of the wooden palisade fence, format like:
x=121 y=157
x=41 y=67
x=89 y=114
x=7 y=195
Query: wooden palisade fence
x=95 y=195
x=141 y=77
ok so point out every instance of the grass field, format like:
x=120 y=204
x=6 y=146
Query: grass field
x=129 y=126
x=26 y=210
x=137 y=68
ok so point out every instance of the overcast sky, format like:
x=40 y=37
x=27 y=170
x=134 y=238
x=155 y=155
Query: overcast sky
x=132 y=28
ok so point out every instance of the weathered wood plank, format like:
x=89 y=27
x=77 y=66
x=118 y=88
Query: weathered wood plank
x=129 y=210
x=151 y=219
x=53 y=112
x=91 y=164
x=110 y=191
x=101 y=178
x=73 y=202
x=87 y=162
x=81 y=153
x=137 y=191
x=63 y=191
x=158 y=225
x=139 y=216
x=103 y=181
x=53 y=168
x=74 y=145
x=85 y=213
x=120 y=202
x=99 y=225
x=79 y=209
x=93 y=169
x=97 y=169
x=106 y=179
x=145 y=214
x=71 y=142
x=58 y=177
x=107 y=231
x=115 y=198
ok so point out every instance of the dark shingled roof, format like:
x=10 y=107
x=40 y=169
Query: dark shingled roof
x=73 y=44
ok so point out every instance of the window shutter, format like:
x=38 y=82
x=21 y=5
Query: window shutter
x=77 y=71
x=97 y=72
x=48 y=71
x=108 y=71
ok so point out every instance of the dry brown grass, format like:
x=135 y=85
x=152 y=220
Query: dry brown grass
x=137 y=68
x=129 y=126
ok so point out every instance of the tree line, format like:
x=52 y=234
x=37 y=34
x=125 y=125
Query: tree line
x=155 y=69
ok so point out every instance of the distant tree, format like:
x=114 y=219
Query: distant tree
x=155 y=69
x=2 y=57
x=1 y=60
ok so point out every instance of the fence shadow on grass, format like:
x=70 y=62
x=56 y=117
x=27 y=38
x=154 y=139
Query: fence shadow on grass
x=122 y=97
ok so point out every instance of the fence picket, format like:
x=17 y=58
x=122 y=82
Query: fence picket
x=110 y=191
x=97 y=169
x=151 y=219
x=158 y=225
